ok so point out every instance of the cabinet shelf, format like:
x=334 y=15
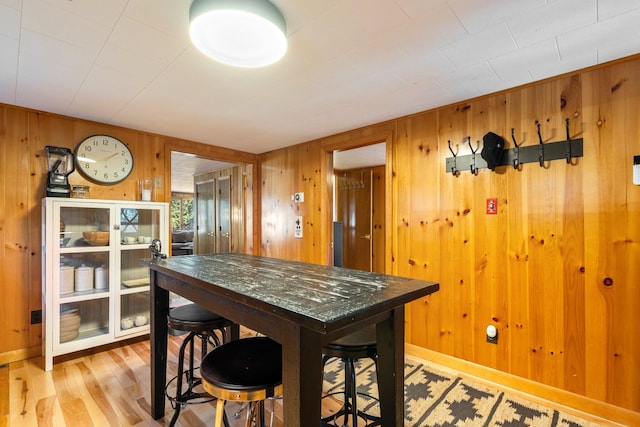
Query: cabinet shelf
x=135 y=283
x=135 y=290
x=131 y=246
x=86 y=335
x=92 y=293
x=84 y=295
x=83 y=249
x=143 y=328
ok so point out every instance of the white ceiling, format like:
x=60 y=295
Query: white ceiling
x=350 y=62
x=370 y=155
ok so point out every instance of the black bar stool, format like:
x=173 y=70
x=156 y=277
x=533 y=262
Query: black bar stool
x=353 y=347
x=245 y=370
x=202 y=324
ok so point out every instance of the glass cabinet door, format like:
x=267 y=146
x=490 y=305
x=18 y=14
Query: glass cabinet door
x=134 y=312
x=81 y=272
x=139 y=226
x=83 y=320
x=82 y=226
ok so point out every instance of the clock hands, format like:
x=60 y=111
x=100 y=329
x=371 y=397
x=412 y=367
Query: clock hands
x=88 y=160
x=111 y=156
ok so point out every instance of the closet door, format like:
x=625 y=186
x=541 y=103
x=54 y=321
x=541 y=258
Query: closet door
x=205 y=242
x=223 y=214
x=354 y=210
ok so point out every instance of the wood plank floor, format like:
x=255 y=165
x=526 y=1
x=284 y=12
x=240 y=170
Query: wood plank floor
x=110 y=387
x=106 y=388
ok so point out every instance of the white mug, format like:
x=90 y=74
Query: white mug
x=129 y=239
x=126 y=323
x=140 y=320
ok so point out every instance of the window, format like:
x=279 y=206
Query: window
x=181 y=211
x=129 y=220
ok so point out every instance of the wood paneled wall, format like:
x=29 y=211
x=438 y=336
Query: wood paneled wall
x=24 y=134
x=556 y=270
x=285 y=172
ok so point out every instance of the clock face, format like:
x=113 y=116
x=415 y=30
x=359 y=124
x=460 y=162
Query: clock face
x=104 y=159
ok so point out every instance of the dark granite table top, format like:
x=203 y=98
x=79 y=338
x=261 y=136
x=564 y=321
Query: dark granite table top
x=325 y=296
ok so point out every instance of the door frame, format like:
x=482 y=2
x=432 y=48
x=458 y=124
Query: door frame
x=252 y=228
x=346 y=143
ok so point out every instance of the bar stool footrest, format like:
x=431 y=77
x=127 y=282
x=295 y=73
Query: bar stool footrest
x=188 y=397
x=346 y=411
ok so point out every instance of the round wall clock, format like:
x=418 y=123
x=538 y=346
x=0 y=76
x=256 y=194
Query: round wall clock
x=104 y=159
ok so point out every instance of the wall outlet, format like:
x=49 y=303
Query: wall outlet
x=492 y=340
x=36 y=317
x=298 y=230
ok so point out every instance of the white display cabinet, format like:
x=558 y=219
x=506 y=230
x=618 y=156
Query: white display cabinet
x=94 y=289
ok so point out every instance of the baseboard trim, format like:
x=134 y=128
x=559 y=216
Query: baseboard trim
x=593 y=410
x=20 y=354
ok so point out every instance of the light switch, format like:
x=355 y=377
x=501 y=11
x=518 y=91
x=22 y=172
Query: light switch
x=636 y=170
x=298 y=230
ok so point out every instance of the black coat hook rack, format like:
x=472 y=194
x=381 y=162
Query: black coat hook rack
x=453 y=169
x=568 y=154
x=542 y=152
x=472 y=166
x=516 y=150
x=540 y=148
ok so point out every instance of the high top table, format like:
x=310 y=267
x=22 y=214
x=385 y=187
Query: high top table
x=301 y=306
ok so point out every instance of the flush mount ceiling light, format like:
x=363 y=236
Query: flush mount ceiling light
x=243 y=33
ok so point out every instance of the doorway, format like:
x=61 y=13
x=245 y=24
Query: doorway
x=220 y=210
x=359 y=207
x=222 y=202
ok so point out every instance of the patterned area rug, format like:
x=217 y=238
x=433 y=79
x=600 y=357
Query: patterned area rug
x=437 y=399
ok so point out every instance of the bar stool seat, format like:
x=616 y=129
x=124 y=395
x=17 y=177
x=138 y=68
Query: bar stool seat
x=245 y=370
x=201 y=324
x=350 y=348
x=193 y=318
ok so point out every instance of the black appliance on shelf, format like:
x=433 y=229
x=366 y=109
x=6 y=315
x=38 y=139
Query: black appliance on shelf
x=60 y=161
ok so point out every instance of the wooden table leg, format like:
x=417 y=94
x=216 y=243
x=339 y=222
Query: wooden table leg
x=159 y=340
x=301 y=376
x=390 y=343
x=234 y=332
